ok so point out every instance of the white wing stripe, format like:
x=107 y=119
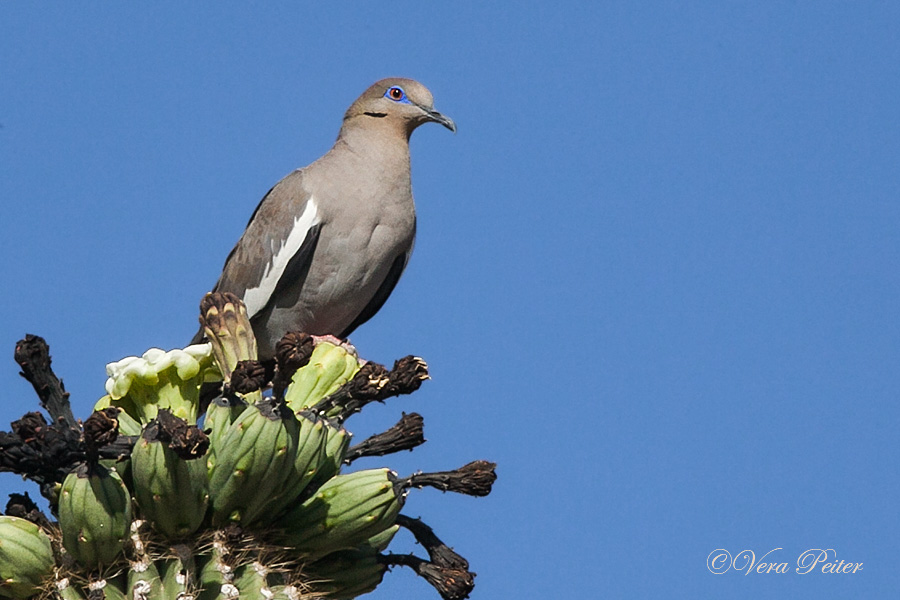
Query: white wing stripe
x=257 y=297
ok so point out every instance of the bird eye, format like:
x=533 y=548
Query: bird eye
x=395 y=93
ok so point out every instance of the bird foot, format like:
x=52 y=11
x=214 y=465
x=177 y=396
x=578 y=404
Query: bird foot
x=330 y=339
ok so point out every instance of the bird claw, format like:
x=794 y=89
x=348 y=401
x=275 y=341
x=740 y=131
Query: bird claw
x=336 y=341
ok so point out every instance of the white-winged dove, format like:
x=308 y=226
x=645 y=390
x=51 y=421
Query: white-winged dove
x=326 y=245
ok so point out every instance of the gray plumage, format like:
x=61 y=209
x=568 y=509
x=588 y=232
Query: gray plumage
x=326 y=245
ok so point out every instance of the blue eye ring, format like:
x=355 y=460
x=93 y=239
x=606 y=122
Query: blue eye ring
x=396 y=94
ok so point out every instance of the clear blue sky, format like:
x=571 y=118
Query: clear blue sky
x=656 y=275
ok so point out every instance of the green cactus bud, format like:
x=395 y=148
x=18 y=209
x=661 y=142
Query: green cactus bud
x=345 y=512
x=313 y=434
x=337 y=441
x=253 y=459
x=26 y=558
x=345 y=574
x=170 y=491
x=329 y=367
x=220 y=414
x=94 y=515
x=380 y=541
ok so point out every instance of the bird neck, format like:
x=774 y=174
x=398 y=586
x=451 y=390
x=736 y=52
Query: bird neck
x=375 y=142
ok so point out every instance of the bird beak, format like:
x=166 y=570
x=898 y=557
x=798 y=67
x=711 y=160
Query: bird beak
x=444 y=120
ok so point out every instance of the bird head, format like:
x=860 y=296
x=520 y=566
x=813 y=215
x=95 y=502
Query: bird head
x=399 y=102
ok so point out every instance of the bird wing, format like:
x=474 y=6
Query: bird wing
x=381 y=294
x=277 y=247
